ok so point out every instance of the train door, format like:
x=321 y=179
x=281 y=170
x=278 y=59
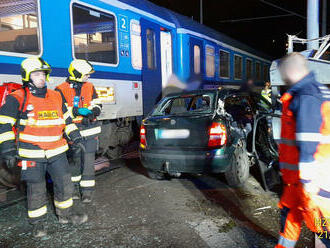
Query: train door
x=166 y=56
x=151 y=65
x=196 y=59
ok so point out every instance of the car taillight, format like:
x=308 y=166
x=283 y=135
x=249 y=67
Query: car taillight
x=143 y=140
x=217 y=135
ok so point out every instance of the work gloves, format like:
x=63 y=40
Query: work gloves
x=10 y=159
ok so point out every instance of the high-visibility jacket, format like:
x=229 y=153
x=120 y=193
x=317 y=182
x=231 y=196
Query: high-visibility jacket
x=87 y=96
x=41 y=124
x=304 y=148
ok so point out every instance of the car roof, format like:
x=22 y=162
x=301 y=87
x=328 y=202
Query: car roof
x=223 y=92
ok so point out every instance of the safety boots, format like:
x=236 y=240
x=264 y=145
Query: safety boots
x=75 y=219
x=39 y=230
x=87 y=196
x=76 y=192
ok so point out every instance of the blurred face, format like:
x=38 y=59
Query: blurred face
x=86 y=77
x=38 y=78
x=267 y=85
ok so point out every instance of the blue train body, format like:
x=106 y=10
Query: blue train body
x=134 y=45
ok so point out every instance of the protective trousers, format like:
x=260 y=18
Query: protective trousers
x=291 y=216
x=58 y=169
x=82 y=167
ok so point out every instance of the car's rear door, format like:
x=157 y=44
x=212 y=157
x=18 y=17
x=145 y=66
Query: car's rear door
x=184 y=124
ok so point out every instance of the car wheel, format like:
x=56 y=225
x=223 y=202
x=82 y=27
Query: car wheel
x=239 y=169
x=156 y=175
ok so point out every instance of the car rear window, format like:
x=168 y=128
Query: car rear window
x=185 y=105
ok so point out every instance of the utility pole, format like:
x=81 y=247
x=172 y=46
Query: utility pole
x=313 y=23
x=201 y=11
x=324 y=18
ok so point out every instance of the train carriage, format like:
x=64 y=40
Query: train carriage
x=134 y=45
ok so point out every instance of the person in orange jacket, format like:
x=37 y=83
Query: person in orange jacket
x=81 y=97
x=41 y=119
x=304 y=152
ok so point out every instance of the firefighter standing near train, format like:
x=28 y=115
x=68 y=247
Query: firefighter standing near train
x=304 y=153
x=40 y=118
x=81 y=98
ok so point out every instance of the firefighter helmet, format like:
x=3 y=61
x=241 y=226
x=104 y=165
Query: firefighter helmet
x=34 y=64
x=79 y=68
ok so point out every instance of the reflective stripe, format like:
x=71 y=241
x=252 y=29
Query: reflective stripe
x=308 y=170
x=29 y=153
x=6 y=119
x=7 y=136
x=91 y=131
x=288 y=243
x=287 y=166
x=35 y=138
x=312 y=137
x=288 y=142
x=77 y=119
x=38 y=212
x=69 y=128
x=87 y=183
x=68 y=114
x=40 y=123
x=64 y=204
x=325 y=139
x=76 y=179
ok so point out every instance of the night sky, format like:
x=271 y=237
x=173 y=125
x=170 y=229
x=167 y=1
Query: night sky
x=266 y=35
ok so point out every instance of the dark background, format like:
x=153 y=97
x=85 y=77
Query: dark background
x=266 y=35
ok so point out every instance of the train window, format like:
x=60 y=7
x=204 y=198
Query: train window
x=248 y=68
x=238 y=66
x=19 y=27
x=266 y=73
x=258 y=71
x=197 y=59
x=136 y=45
x=151 y=49
x=94 y=35
x=224 y=64
x=210 y=61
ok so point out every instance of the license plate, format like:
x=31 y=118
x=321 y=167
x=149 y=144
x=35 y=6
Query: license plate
x=172 y=133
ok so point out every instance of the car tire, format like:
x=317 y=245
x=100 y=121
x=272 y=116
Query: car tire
x=156 y=175
x=239 y=169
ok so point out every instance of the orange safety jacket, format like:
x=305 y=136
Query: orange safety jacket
x=86 y=100
x=305 y=150
x=40 y=124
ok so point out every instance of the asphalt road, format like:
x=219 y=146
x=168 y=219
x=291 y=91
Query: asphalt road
x=131 y=210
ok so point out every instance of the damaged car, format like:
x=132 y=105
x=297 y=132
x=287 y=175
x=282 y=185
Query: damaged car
x=210 y=131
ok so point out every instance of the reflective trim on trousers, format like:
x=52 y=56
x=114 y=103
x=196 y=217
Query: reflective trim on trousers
x=286 y=242
x=87 y=183
x=30 y=153
x=68 y=114
x=63 y=204
x=76 y=179
x=90 y=132
x=288 y=166
x=312 y=137
x=36 y=138
x=40 y=123
x=38 y=212
x=288 y=142
x=69 y=128
x=7 y=136
x=7 y=120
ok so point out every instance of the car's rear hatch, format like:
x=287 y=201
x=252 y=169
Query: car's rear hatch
x=182 y=122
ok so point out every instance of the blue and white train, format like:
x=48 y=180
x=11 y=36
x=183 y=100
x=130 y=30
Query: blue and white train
x=134 y=45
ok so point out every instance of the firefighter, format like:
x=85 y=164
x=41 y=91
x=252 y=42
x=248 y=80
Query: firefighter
x=267 y=94
x=40 y=119
x=81 y=97
x=304 y=153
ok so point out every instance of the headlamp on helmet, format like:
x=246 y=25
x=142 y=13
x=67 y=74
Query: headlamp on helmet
x=79 y=68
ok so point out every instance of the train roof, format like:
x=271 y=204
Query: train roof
x=188 y=24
